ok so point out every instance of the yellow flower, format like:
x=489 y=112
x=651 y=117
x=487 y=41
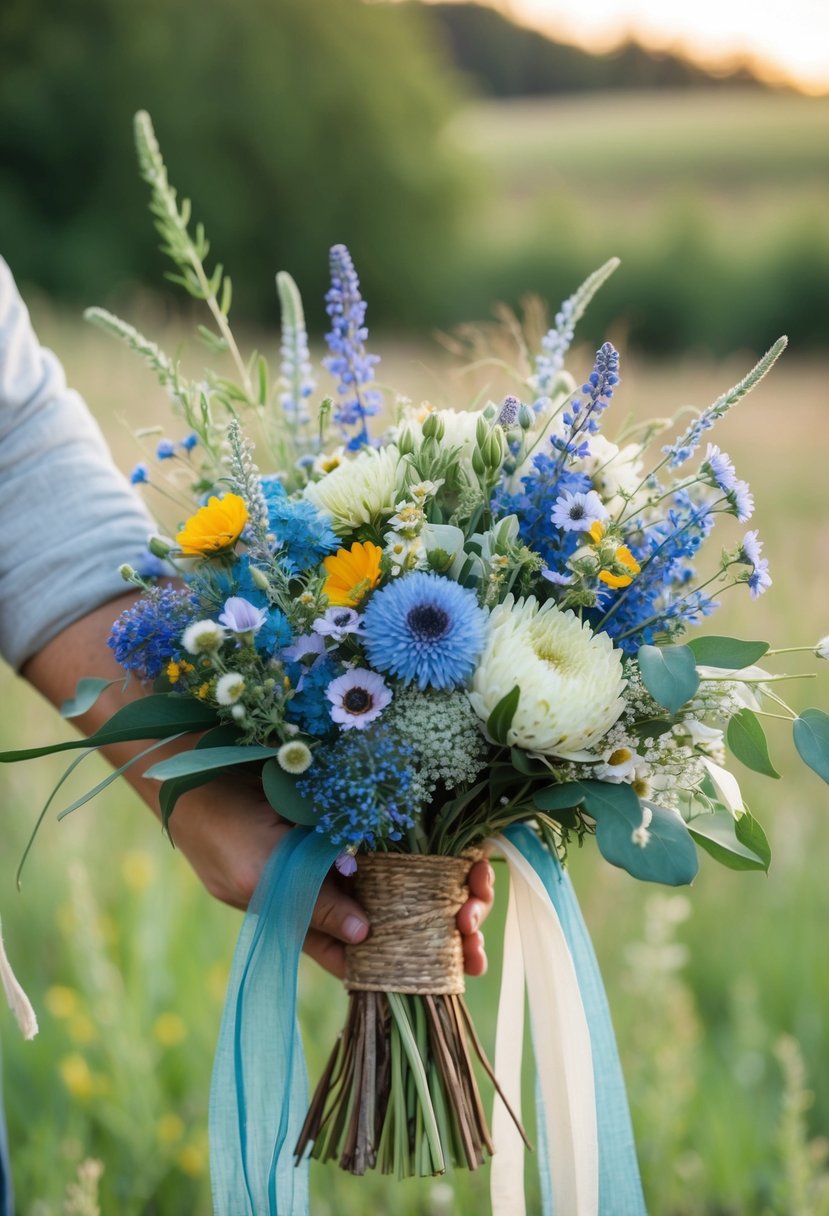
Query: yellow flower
x=615 y=580
x=170 y=1128
x=596 y=531
x=203 y=691
x=214 y=528
x=625 y=558
x=173 y=671
x=62 y=1002
x=352 y=573
x=76 y=1076
x=624 y=555
x=169 y=1029
x=192 y=1160
x=137 y=869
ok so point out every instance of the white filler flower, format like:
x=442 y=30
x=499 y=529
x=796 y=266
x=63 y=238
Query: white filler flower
x=570 y=678
x=358 y=491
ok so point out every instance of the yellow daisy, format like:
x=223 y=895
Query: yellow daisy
x=214 y=528
x=352 y=573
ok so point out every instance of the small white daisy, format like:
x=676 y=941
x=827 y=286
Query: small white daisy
x=202 y=637
x=229 y=688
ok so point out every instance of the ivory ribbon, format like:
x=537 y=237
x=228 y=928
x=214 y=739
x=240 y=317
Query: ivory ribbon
x=534 y=943
x=19 y=1003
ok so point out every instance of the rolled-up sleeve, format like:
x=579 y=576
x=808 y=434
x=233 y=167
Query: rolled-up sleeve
x=69 y=518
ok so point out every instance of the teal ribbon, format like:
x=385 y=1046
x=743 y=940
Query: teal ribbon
x=620 y=1187
x=259 y=1092
x=6 y=1200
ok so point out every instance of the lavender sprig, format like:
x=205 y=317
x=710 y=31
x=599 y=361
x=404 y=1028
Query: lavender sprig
x=581 y=416
x=348 y=361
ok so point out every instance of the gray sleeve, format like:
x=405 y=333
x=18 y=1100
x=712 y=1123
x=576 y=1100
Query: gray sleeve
x=69 y=518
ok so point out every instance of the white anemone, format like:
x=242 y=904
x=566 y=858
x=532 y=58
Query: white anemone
x=358 y=491
x=570 y=678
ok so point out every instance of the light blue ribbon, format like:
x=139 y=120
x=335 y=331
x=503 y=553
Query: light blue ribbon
x=6 y=1199
x=620 y=1187
x=259 y=1093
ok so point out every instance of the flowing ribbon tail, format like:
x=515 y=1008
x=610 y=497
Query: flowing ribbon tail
x=259 y=1091
x=19 y=1003
x=619 y=1184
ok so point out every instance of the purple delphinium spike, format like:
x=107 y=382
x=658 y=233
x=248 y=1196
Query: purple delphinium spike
x=348 y=362
x=581 y=416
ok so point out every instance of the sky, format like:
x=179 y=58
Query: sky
x=785 y=39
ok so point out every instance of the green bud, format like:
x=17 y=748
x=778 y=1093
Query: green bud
x=127 y=572
x=405 y=442
x=481 y=433
x=478 y=462
x=439 y=560
x=495 y=449
x=525 y=417
x=433 y=428
x=259 y=578
x=158 y=547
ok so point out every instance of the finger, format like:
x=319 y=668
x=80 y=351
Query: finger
x=481 y=881
x=471 y=916
x=323 y=949
x=338 y=915
x=474 y=954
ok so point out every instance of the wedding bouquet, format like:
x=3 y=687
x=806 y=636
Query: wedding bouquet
x=434 y=634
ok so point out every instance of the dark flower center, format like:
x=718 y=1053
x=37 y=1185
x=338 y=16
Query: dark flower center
x=428 y=622
x=342 y=618
x=357 y=700
x=577 y=511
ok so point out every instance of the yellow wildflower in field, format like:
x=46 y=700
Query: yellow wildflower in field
x=170 y=1128
x=192 y=1160
x=214 y=528
x=82 y=1029
x=352 y=573
x=137 y=870
x=76 y=1076
x=62 y=1002
x=170 y=1029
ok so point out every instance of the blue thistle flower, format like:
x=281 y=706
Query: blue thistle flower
x=147 y=635
x=348 y=361
x=140 y=475
x=166 y=449
x=425 y=629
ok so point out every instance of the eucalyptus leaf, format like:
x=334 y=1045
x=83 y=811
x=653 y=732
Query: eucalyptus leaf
x=747 y=740
x=562 y=797
x=525 y=765
x=113 y=776
x=669 y=673
x=750 y=834
x=174 y=788
x=731 y=653
x=207 y=759
x=283 y=795
x=668 y=857
x=717 y=835
x=811 y=738
x=155 y=717
x=500 y=720
x=87 y=693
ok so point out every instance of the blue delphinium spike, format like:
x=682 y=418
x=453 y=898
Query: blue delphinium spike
x=348 y=362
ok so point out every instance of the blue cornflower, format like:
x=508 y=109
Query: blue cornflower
x=275 y=633
x=189 y=442
x=166 y=449
x=718 y=469
x=364 y=786
x=309 y=708
x=348 y=361
x=148 y=634
x=140 y=475
x=303 y=535
x=425 y=629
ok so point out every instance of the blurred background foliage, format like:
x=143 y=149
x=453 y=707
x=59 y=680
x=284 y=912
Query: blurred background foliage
x=402 y=130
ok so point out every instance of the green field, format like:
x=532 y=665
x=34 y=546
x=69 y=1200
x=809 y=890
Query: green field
x=719 y=993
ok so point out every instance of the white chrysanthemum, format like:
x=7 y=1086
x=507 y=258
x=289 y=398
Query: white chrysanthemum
x=202 y=636
x=358 y=491
x=570 y=678
x=229 y=687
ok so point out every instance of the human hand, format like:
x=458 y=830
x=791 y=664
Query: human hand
x=227 y=831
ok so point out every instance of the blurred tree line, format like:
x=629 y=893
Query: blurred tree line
x=296 y=124
x=508 y=60
x=291 y=124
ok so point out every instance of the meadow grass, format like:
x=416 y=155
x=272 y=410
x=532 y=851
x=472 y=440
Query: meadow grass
x=126 y=956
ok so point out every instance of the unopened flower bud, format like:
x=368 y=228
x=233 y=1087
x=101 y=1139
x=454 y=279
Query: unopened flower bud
x=525 y=417
x=127 y=572
x=495 y=449
x=478 y=462
x=259 y=578
x=509 y=412
x=405 y=442
x=822 y=648
x=433 y=428
x=158 y=546
x=481 y=433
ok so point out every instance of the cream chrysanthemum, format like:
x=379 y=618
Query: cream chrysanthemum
x=358 y=491
x=570 y=678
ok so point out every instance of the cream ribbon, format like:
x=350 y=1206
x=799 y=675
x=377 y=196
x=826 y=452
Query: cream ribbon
x=535 y=948
x=19 y=1003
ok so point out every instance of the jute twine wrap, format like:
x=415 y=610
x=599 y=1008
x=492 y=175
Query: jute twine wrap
x=412 y=901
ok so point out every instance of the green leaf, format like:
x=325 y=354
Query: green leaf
x=753 y=837
x=155 y=717
x=811 y=738
x=717 y=834
x=562 y=797
x=206 y=760
x=500 y=720
x=651 y=728
x=747 y=741
x=110 y=777
x=733 y=653
x=281 y=792
x=669 y=673
x=669 y=856
x=173 y=788
x=525 y=765
x=86 y=694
